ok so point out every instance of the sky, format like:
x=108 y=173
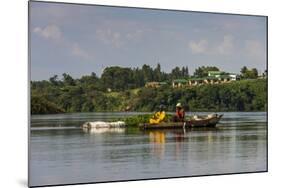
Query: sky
x=79 y=39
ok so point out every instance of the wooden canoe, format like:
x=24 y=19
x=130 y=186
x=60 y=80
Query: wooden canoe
x=202 y=121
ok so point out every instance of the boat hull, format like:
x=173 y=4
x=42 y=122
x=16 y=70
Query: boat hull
x=203 y=122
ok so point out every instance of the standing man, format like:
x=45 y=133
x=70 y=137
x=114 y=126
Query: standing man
x=180 y=114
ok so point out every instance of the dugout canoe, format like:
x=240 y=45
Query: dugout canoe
x=195 y=121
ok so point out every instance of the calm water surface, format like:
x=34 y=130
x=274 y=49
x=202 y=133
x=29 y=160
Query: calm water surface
x=62 y=153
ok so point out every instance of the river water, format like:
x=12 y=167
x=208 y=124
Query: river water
x=63 y=153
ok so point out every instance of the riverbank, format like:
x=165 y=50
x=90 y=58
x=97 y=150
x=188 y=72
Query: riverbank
x=244 y=95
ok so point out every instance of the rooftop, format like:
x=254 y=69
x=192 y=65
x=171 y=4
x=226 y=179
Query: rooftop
x=215 y=72
x=180 y=80
x=209 y=78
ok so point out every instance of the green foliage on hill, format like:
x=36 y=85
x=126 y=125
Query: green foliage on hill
x=244 y=95
x=39 y=105
x=120 y=89
x=249 y=73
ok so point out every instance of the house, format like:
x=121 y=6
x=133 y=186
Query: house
x=224 y=78
x=215 y=73
x=211 y=80
x=223 y=75
x=233 y=76
x=162 y=83
x=154 y=84
x=195 y=81
x=178 y=83
x=214 y=77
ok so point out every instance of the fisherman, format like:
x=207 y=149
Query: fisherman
x=180 y=114
x=159 y=116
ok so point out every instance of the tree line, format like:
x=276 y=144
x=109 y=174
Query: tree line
x=90 y=93
x=119 y=78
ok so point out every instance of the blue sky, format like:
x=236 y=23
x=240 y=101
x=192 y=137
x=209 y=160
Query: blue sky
x=79 y=39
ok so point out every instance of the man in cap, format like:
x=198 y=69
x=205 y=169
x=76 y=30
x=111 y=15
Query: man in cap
x=180 y=114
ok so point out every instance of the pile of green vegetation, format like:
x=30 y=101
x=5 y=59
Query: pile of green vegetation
x=135 y=120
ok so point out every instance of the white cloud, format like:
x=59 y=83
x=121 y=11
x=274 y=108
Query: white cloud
x=199 y=47
x=254 y=48
x=226 y=46
x=135 y=35
x=109 y=37
x=79 y=52
x=54 y=33
x=231 y=25
x=49 y=32
x=118 y=37
x=203 y=46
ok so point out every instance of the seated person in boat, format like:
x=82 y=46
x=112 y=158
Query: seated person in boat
x=180 y=114
x=159 y=116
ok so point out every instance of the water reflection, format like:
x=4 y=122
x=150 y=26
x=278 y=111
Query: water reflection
x=158 y=140
x=158 y=137
x=178 y=140
x=103 y=130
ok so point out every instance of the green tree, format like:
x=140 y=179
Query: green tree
x=157 y=73
x=176 y=73
x=249 y=74
x=244 y=70
x=54 y=80
x=40 y=105
x=147 y=73
x=68 y=80
x=255 y=73
x=117 y=78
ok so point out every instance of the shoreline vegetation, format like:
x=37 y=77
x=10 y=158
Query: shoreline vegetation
x=124 y=89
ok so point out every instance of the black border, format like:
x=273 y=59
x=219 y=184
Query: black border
x=143 y=8
x=160 y=178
